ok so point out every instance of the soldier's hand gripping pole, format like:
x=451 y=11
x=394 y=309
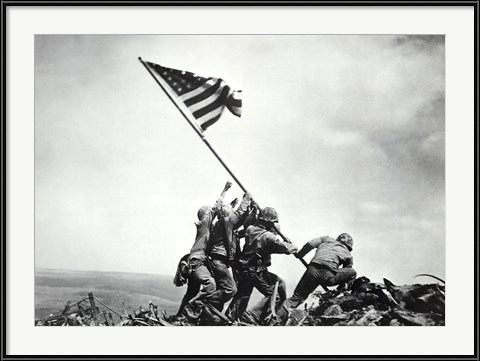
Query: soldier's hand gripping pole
x=300 y=258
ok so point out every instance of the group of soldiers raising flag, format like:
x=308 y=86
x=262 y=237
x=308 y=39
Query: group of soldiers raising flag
x=218 y=269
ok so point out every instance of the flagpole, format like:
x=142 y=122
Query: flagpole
x=202 y=136
x=199 y=132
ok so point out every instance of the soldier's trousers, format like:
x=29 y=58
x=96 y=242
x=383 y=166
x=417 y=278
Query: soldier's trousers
x=201 y=285
x=264 y=282
x=316 y=275
x=226 y=286
x=192 y=290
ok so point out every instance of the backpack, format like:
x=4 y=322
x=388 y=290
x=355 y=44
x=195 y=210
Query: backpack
x=183 y=271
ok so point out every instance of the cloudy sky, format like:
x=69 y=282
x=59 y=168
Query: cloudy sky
x=338 y=133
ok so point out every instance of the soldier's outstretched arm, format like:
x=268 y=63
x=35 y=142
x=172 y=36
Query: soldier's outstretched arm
x=228 y=185
x=314 y=243
x=277 y=246
x=220 y=199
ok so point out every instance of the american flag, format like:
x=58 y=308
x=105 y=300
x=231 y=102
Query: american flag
x=205 y=98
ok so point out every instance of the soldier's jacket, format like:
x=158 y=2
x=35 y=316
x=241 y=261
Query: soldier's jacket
x=260 y=244
x=330 y=252
x=222 y=232
x=204 y=226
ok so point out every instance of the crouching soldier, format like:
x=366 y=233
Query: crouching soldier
x=201 y=283
x=222 y=247
x=261 y=242
x=324 y=268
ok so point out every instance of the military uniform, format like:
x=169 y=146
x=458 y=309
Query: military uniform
x=222 y=248
x=324 y=268
x=253 y=272
x=201 y=283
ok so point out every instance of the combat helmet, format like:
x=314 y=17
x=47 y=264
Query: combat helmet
x=346 y=239
x=268 y=214
x=203 y=211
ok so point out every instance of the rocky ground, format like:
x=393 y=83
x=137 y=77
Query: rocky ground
x=364 y=304
x=375 y=305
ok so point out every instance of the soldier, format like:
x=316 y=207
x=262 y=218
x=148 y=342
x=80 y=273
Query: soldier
x=261 y=242
x=222 y=247
x=324 y=268
x=201 y=284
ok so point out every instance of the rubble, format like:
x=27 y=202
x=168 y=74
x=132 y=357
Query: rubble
x=78 y=315
x=375 y=304
x=364 y=304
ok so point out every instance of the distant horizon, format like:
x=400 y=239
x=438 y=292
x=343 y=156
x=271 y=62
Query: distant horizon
x=168 y=276
x=99 y=271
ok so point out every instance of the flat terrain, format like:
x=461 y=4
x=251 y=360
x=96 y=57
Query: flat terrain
x=120 y=291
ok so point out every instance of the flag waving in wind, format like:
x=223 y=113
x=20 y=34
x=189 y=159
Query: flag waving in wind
x=205 y=98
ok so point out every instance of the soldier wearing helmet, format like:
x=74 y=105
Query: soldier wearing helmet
x=261 y=242
x=347 y=240
x=201 y=283
x=330 y=266
x=222 y=246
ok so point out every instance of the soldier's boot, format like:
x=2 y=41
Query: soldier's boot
x=193 y=310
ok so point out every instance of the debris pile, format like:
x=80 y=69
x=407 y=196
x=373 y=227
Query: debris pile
x=364 y=303
x=144 y=317
x=375 y=304
x=78 y=314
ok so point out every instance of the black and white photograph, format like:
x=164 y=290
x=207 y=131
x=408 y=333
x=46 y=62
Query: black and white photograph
x=170 y=187
x=243 y=183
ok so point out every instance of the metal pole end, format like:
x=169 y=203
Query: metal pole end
x=140 y=58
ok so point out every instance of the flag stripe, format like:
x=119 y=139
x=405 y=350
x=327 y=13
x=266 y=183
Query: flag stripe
x=197 y=90
x=235 y=110
x=210 y=115
x=203 y=95
x=193 y=108
x=236 y=102
x=220 y=101
x=213 y=114
x=210 y=122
